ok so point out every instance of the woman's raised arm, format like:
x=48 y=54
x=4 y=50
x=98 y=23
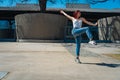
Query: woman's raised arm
x=65 y=14
x=88 y=22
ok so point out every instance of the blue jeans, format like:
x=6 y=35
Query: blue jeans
x=76 y=32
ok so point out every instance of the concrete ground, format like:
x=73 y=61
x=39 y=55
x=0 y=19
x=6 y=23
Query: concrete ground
x=55 y=61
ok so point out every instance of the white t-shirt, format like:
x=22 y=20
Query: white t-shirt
x=77 y=23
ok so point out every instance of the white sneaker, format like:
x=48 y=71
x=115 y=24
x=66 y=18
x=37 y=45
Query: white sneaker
x=92 y=42
x=77 y=60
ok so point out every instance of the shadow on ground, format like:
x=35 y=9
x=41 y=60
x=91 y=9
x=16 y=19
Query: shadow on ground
x=105 y=64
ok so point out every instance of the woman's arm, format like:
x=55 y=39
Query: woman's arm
x=89 y=23
x=68 y=16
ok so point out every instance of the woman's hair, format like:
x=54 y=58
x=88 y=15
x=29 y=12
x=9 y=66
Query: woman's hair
x=75 y=13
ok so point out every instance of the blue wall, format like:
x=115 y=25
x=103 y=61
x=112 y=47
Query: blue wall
x=104 y=4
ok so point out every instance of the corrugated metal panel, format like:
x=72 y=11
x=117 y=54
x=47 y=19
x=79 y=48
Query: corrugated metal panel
x=3 y=74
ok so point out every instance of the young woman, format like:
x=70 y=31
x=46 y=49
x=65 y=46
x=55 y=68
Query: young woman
x=78 y=30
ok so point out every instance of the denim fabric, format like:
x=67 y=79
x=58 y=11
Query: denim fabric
x=79 y=31
x=78 y=44
x=76 y=32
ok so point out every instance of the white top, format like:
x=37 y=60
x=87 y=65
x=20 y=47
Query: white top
x=77 y=23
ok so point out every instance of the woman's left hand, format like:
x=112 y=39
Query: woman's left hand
x=96 y=23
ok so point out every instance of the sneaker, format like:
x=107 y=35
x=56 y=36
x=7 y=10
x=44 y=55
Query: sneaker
x=92 y=42
x=77 y=60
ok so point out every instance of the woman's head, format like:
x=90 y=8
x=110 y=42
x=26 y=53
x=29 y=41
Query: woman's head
x=77 y=14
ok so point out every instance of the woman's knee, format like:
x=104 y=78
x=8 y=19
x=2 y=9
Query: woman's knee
x=87 y=28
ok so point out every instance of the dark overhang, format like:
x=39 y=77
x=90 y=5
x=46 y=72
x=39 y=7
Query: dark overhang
x=11 y=12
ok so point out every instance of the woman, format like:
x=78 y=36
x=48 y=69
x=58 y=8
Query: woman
x=78 y=30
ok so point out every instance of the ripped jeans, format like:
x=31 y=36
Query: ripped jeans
x=76 y=32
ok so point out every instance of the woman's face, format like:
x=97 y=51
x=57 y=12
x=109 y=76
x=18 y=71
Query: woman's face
x=78 y=14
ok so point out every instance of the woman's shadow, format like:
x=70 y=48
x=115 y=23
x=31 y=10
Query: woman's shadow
x=104 y=64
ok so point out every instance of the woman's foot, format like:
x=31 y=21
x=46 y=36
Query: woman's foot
x=77 y=60
x=92 y=42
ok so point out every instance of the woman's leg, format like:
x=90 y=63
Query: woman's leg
x=78 y=32
x=90 y=37
x=78 y=43
x=89 y=34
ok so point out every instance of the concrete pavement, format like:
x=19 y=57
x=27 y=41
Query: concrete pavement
x=55 y=61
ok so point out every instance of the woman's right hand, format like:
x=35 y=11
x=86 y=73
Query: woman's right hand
x=61 y=11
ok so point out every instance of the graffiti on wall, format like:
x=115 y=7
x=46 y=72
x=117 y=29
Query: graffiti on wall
x=96 y=1
x=105 y=4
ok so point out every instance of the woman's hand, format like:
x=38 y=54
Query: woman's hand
x=61 y=11
x=66 y=15
x=96 y=23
